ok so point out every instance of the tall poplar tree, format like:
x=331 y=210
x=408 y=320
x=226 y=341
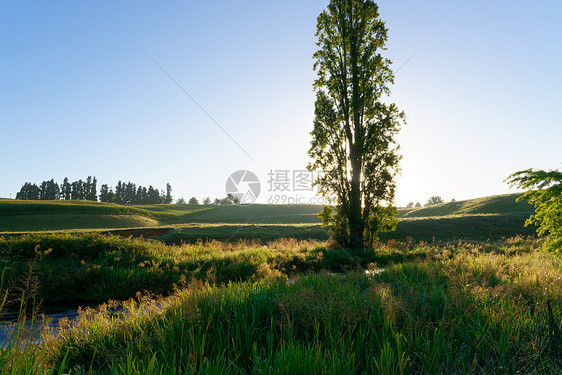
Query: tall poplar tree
x=353 y=139
x=168 y=198
x=66 y=189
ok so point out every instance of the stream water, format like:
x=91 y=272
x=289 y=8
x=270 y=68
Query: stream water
x=9 y=320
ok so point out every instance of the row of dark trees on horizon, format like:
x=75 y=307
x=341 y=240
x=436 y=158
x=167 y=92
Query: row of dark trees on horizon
x=50 y=190
x=129 y=193
x=436 y=199
x=229 y=200
x=124 y=193
x=430 y=202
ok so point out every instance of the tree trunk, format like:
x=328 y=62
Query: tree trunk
x=356 y=224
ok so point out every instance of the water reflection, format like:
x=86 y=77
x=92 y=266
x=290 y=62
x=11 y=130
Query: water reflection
x=50 y=315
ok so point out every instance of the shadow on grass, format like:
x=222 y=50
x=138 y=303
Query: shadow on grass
x=427 y=317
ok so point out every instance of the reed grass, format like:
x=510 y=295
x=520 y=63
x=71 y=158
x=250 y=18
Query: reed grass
x=92 y=267
x=461 y=308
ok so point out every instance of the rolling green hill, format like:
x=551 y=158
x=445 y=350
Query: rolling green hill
x=21 y=216
x=256 y=214
x=477 y=219
x=17 y=208
x=496 y=204
x=488 y=218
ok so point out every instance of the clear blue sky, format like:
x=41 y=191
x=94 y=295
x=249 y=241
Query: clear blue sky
x=80 y=95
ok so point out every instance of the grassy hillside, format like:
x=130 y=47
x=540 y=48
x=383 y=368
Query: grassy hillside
x=55 y=222
x=172 y=211
x=496 y=204
x=256 y=214
x=16 y=207
x=488 y=218
x=460 y=227
x=22 y=216
x=234 y=232
x=476 y=219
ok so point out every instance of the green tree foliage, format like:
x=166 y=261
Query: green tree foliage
x=353 y=139
x=49 y=190
x=545 y=193
x=129 y=193
x=77 y=188
x=106 y=194
x=410 y=205
x=92 y=189
x=229 y=200
x=66 y=190
x=382 y=219
x=206 y=201
x=418 y=204
x=29 y=191
x=168 y=199
x=434 y=200
x=193 y=201
x=118 y=193
x=125 y=193
x=88 y=188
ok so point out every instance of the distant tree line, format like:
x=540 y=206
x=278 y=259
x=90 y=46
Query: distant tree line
x=124 y=193
x=229 y=200
x=129 y=193
x=436 y=199
x=50 y=190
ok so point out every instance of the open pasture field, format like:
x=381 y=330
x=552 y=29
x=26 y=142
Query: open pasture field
x=479 y=219
x=257 y=289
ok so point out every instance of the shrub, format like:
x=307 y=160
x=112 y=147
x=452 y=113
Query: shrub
x=546 y=194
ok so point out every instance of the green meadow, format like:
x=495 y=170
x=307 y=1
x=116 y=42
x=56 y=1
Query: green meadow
x=462 y=288
x=286 y=307
x=359 y=104
x=482 y=219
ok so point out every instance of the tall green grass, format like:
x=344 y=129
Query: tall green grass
x=92 y=267
x=461 y=308
x=473 y=312
x=20 y=352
